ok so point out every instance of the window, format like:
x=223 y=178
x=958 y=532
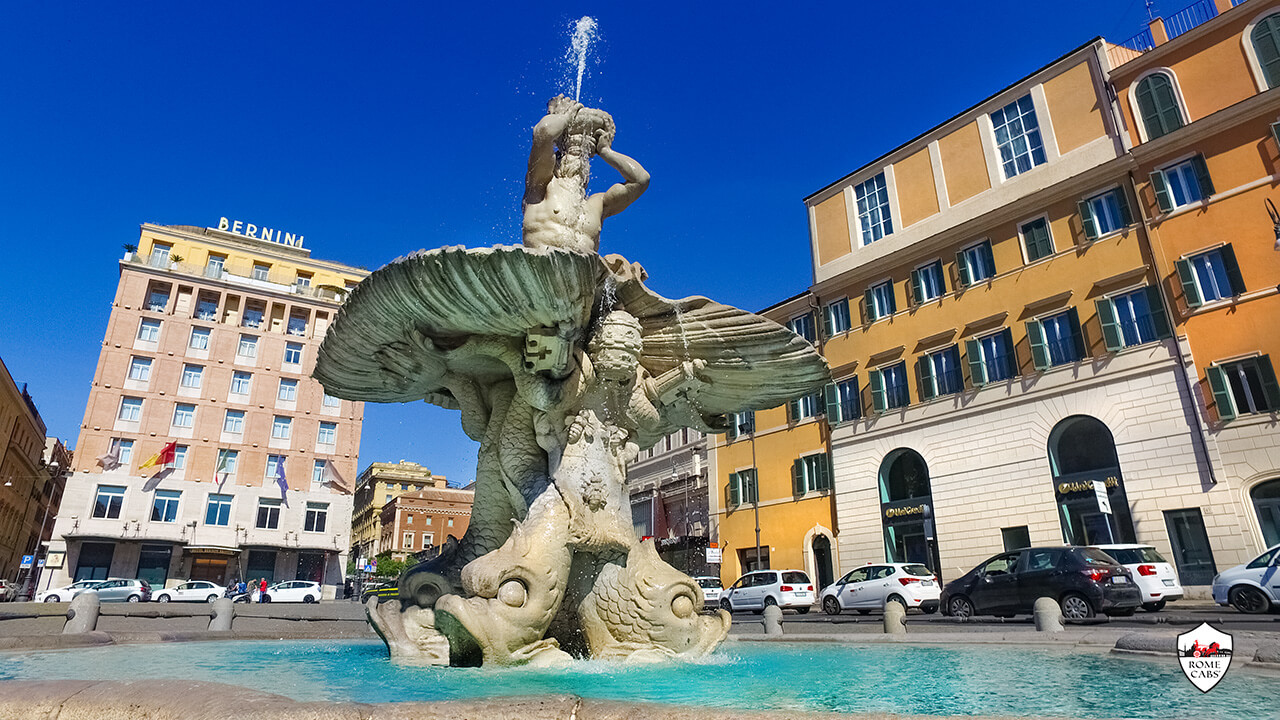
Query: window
x=874 y=221
x=878 y=301
x=184 y=415
x=149 y=330
x=1056 y=340
x=164 y=507
x=130 y=409
x=108 y=501
x=233 y=422
x=1158 y=105
x=303 y=281
x=409 y=519
x=226 y=466
x=1016 y=538
x=1266 y=45
x=218 y=511
x=991 y=358
x=157 y=299
x=803 y=326
x=160 y=255
x=268 y=514
x=298 y=325
x=1133 y=318
x=1018 y=137
x=742 y=488
x=252 y=317
x=192 y=376
x=1182 y=184
x=281 y=427
x=939 y=373
x=180 y=457
x=927 y=283
x=1037 y=242
x=835 y=317
x=331 y=401
x=316 y=515
x=804 y=408
x=1105 y=213
x=1244 y=387
x=288 y=390
x=140 y=369
x=975 y=263
x=1209 y=276
x=811 y=473
x=408 y=541
x=742 y=423
x=261 y=272
x=450 y=522
x=317 y=471
x=889 y=387
x=213 y=268
x=248 y=346
x=206 y=309
x=843 y=401
x=273 y=466
x=328 y=434
x=124 y=450
x=199 y=338
x=240 y=382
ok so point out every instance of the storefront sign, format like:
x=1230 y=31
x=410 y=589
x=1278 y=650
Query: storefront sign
x=913 y=510
x=1078 y=486
x=240 y=227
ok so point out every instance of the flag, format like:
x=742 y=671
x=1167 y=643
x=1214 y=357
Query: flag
x=282 y=482
x=330 y=476
x=164 y=457
x=220 y=473
x=111 y=460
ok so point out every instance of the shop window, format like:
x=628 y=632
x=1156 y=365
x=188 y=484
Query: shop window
x=991 y=358
x=1209 y=276
x=1105 y=213
x=1018 y=137
x=906 y=509
x=874 y=219
x=1082 y=451
x=153 y=564
x=939 y=373
x=1037 y=241
x=95 y=561
x=1158 y=105
x=835 y=317
x=927 y=283
x=1133 y=318
x=1182 y=184
x=811 y=473
x=1192 y=553
x=1244 y=387
x=878 y=301
x=975 y=263
x=843 y=401
x=889 y=387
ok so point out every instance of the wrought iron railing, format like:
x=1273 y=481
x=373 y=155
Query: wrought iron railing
x=1191 y=16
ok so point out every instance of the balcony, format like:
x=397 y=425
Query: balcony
x=1162 y=30
x=275 y=280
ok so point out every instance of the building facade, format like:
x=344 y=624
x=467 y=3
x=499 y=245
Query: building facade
x=418 y=523
x=667 y=485
x=209 y=346
x=379 y=484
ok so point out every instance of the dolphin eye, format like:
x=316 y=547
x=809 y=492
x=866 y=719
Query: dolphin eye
x=682 y=606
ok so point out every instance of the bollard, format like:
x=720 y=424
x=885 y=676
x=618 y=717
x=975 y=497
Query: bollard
x=772 y=620
x=223 y=612
x=1048 y=615
x=895 y=618
x=82 y=616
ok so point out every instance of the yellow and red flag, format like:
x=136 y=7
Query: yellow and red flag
x=164 y=457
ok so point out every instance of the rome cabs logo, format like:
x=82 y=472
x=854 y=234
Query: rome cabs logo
x=1205 y=655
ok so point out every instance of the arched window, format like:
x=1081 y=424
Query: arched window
x=906 y=509
x=903 y=476
x=1266 y=44
x=1158 y=105
x=1081 y=451
x=1266 y=502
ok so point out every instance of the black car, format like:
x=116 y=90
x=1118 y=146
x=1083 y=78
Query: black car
x=1084 y=581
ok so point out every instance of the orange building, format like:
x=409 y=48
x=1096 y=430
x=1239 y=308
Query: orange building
x=421 y=521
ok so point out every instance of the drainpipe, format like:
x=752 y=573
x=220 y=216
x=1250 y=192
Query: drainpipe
x=826 y=434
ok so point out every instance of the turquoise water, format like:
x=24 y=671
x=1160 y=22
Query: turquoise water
x=796 y=676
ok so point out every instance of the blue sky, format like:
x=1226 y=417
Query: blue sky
x=375 y=129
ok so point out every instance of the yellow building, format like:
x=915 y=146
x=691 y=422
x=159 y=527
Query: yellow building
x=379 y=484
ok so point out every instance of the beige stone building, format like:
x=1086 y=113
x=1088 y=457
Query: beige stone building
x=420 y=522
x=379 y=484
x=209 y=346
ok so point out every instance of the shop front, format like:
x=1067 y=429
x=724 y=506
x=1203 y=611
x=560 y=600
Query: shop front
x=1082 y=453
x=212 y=563
x=906 y=510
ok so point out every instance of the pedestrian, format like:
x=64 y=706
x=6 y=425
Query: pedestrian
x=262 y=590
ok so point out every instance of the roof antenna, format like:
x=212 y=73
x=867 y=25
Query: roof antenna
x=1150 y=15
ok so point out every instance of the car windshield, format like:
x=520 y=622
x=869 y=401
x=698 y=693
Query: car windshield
x=1265 y=558
x=795 y=577
x=1093 y=556
x=917 y=570
x=1135 y=556
x=709 y=582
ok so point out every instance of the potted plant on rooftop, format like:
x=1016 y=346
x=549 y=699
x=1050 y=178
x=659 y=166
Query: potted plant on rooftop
x=129 y=250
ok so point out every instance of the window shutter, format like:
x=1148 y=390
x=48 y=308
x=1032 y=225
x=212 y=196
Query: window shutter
x=732 y=432
x=869 y=307
x=1039 y=348
x=962 y=268
x=1266 y=43
x=877 y=391
x=1122 y=199
x=831 y=398
x=1159 y=317
x=823 y=464
x=977 y=368
x=797 y=477
x=1166 y=102
x=985 y=249
x=1187 y=276
x=924 y=371
x=1010 y=359
x=1221 y=393
x=827 y=322
x=1275 y=132
x=917 y=288
x=1036 y=235
x=1086 y=220
x=1202 y=175
x=753 y=485
x=1163 y=199
x=1110 y=328
x=893 y=299
x=1077 y=334
x=734 y=491
x=793 y=410
x=1269 y=386
x=1233 y=269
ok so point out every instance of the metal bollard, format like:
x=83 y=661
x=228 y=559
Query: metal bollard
x=1048 y=615
x=223 y=612
x=773 y=620
x=82 y=616
x=895 y=618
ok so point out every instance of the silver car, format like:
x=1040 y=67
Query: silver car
x=1253 y=587
x=122 y=590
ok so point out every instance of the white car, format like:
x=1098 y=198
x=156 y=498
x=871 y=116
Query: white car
x=191 y=591
x=303 y=591
x=873 y=586
x=711 y=589
x=762 y=588
x=64 y=594
x=1153 y=575
x=1253 y=587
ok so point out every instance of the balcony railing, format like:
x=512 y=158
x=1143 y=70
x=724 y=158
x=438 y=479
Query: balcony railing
x=1186 y=19
x=277 y=281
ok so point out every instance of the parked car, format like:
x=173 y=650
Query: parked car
x=711 y=589
x=1083 y=580
x=1253 y=587
x=872 y=586
x=762 y=588
x=1154 y=576
x=303 y=591
x=65 y=593
x=8 y=592
x=121 y=590
x=191 y=591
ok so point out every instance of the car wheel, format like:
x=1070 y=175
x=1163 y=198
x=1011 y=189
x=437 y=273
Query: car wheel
x=959 y=606
x=896 y=599
x=770 y=601
x=309 y=599
x=266 y=598
x=726 y=606
x=211 y=598
x=830 y=605
x=51 y=598
x=1248 y=600
x=802 y=611
x=1155 y=606
x=135 y=598
x=1076 y=607
x=163 y=598
x=928 y=609
x=863 y=611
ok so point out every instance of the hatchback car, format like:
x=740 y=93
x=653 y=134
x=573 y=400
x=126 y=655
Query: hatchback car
x=121 y=590
x=191 y=591
x=65 y=593
x=872 y=586
x=711 y=589
x=1154 y=576
x=762 y=588
x=303 y=591
x=1083 y=581
x=1253 y=587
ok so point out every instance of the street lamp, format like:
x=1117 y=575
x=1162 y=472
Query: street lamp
x=744 y=428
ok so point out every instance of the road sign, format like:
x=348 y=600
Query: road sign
x=27 y=560
x=714 y=555
x=1104 y=503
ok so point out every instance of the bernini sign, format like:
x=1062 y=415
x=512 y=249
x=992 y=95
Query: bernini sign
x=239 y=227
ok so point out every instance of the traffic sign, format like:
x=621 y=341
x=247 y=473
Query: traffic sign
x=27 y=560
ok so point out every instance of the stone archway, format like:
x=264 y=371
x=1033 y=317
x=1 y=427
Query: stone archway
x=822 y=570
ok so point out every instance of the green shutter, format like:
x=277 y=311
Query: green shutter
x=893 y=298
x=917 y=288
x=831 y=398
x=869 y=307
x=1266 y=43
x=1167 y=104
x=1269 y=386
x=732 y=432
x=1187 y=276
x=827 y=322
x=1111 y=336
x=797 y=477
x=1233 y=269
x=1159 y=318
x=1035 y=235
x=826 y=473
x=1086 y=220
x=1275 y=132
x=1010 y=357
x=1077 y=334
x=962 y=268
x=877 y=391
x=1202 y=175
x=985 y=249
x=754 y=485
x=1122 y=199
x=734 y=491
x=793 y=410
x=924 y=371
x=977 y=368
x=1163 y=199
x=1221 y=393
x=1039 y=348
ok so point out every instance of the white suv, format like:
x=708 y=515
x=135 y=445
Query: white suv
x=871 y=587
x=1153 y=575
x=762 y=588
